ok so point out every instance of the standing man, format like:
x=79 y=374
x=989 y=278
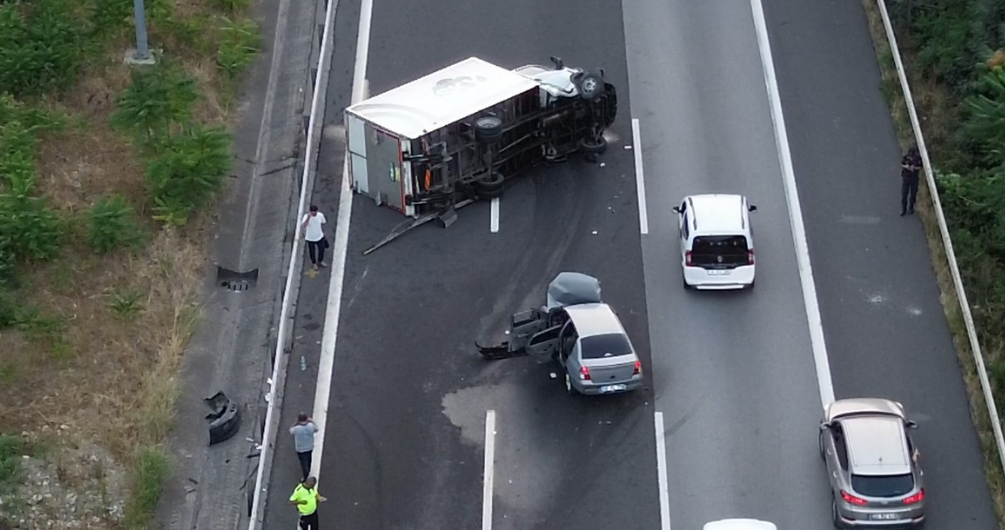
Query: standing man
x=306 y=498
x=910 y=166
x=313 y=228
x=303 y=441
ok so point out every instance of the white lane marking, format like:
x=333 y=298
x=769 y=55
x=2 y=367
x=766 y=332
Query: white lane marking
x=329 y=337
x=640 y=181
x=661 y=470
x=795 y=210
x=490 y=457
x=494 y=216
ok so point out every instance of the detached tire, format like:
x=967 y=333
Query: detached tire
x=590 y=85
x=490 y=187
x=593 y=147
x=488 y=129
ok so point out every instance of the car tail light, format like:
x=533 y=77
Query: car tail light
x=687 y=258
x=849 y=498
x=750 y=257
x=638 y=368
x=584 y=373
x=916 y=498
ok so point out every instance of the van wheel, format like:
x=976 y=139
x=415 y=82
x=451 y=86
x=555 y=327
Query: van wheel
x=751 y=286
x=685 y=284
x=488 y=129
x=590 y=85
x=490 y=187
x=594 y=147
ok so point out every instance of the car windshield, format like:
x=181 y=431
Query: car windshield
x=719 y=250
x=883 y=485
x=604 y=346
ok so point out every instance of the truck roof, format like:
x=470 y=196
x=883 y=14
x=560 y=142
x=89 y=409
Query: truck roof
x=419 y=107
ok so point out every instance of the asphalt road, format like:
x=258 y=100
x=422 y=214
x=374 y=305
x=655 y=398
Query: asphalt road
x=735 y=376
x=886 y=331
x=733 y=373
x=410 y=392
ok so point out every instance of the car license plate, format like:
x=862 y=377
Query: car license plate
x=884 y=516
x=718 y=272
x=612 y=388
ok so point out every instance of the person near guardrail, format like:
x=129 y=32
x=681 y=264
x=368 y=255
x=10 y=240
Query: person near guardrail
x=306 y=498
x=313 y=227
x=910 y=166
x=303 y=441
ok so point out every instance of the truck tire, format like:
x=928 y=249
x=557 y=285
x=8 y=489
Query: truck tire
x=595 y=147
x=491 y=186
x=590 y=85
x=488 y=129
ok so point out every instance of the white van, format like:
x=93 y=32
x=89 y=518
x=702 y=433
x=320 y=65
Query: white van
x=716 y=242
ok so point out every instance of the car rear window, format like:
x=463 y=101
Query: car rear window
x=883 y=485
x=604 y=346
x=709 y=249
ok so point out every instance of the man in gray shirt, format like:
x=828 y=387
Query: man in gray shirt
x=303 y=441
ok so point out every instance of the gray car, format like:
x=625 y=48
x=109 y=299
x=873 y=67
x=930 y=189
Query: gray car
x=596 y=353
x=872 y=464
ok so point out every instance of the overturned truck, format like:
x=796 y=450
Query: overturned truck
x=462 y=133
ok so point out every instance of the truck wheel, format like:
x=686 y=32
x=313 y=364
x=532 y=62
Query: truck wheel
x=590 y=86
x=491 y=186
x=488 y=129
x=596 y=147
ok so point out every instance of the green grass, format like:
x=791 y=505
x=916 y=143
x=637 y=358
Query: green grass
x=152 y=468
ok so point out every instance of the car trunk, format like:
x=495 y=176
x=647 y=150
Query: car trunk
x=611 y=370
x=719 y=252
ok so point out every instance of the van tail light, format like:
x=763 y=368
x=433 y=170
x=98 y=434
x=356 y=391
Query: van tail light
x=584 y=373
x=916 y=498
x=638 y=368
x=687 y=258
x=851 y=499
x=750 y=257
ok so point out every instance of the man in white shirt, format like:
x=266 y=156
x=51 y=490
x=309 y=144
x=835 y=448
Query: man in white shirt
x=313 y=227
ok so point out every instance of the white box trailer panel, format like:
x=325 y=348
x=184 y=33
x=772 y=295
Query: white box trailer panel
x=441 y=98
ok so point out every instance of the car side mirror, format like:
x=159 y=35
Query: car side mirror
x=676 y=209
x=751 y=208
x=558 y=62
x=825 y=426
x=911 y=424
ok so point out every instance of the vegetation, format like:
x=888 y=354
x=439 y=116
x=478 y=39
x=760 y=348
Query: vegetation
x=105 y=175
x=952 y=50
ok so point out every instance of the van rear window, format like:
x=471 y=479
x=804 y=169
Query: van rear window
x=719 y=250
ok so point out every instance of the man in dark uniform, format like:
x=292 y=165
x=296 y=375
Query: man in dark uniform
x=910 y=166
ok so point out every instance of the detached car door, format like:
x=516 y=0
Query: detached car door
x=543 y=345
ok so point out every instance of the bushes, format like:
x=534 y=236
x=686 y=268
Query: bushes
x=43 y=46
x=187 y=161
x=111 y=225
x=29 y=230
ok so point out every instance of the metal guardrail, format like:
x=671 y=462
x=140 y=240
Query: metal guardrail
x=947 y=242
x=292 y=275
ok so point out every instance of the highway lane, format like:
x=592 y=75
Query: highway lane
x=879 y=300
x=405 y=441
x=734 y=372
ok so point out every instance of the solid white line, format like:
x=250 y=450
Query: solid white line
x=494 y=216
x=640 y=181
x=490 y=457
x=661 y=469
x=329 y=337
x=795 y=210
x=279 y=366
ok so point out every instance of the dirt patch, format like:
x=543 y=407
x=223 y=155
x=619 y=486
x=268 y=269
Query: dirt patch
x=73 y=485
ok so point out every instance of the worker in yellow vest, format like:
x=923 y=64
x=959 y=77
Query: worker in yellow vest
x=306 y=498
